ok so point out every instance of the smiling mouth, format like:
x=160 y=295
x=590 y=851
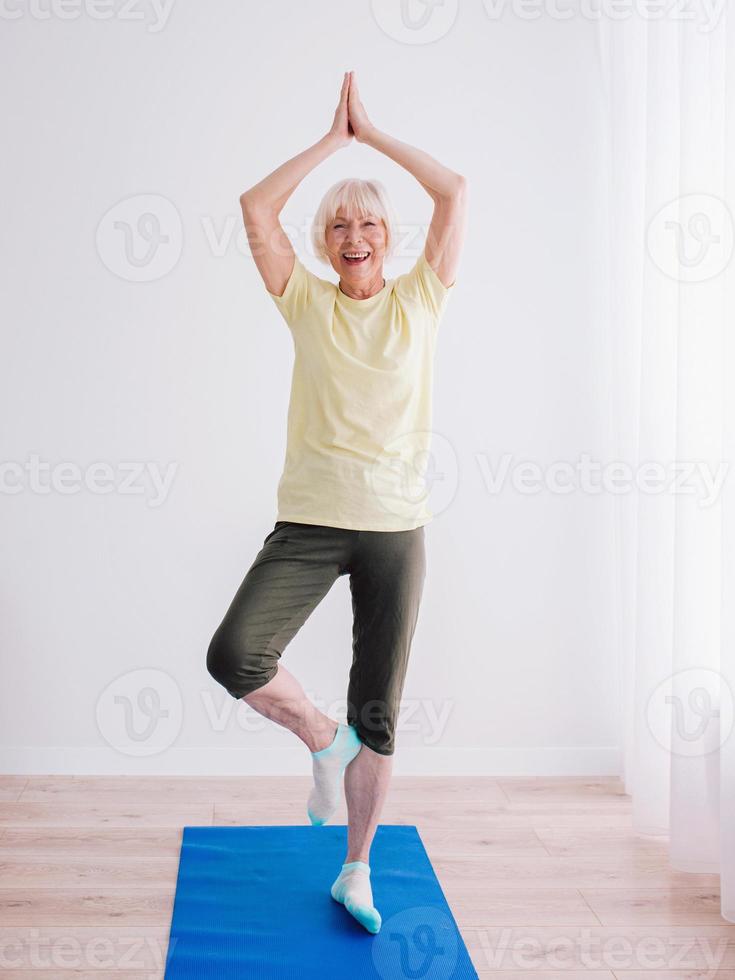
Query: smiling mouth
x=356 y=257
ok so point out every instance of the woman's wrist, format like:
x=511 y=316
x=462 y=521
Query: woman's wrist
x=368 y=135
x=331 y=141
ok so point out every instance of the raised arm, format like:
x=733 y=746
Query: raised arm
x=447 y=188
x=262 y=203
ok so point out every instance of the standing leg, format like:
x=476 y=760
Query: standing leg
x=366 y=786
x=387 y=583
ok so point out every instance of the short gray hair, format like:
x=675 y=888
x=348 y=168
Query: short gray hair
x=358 y=197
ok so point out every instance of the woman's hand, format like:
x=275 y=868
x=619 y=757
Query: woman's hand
x=341 y=133
x=359 y=121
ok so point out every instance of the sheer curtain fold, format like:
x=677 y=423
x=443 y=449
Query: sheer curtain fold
x=668 y=92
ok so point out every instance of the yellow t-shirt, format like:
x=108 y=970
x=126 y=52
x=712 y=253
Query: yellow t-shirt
x=359 y=417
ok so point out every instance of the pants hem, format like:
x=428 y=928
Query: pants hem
x=250 y=690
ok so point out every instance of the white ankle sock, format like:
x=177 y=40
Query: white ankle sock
x=352 y=888
x=327 y=766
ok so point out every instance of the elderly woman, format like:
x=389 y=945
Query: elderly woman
x=350 y=499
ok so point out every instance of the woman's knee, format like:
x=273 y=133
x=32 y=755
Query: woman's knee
x=238 y=661
x=221 y=657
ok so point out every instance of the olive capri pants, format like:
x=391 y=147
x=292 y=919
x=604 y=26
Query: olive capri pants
x=293 y=571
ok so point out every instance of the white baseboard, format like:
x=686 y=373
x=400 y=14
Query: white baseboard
x=294 y=760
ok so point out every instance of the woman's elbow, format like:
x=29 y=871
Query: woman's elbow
x=454 y=190
x=250 y=201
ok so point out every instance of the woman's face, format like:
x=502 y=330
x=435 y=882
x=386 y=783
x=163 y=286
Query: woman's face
x=366 y=236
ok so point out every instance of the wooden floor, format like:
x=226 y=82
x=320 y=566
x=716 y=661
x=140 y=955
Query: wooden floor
x=544 y=876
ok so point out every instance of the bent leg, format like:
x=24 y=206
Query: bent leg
x=291 y=574
x=284 y=701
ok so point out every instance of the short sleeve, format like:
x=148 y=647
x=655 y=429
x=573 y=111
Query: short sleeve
x=297 y=295
x=421 y=284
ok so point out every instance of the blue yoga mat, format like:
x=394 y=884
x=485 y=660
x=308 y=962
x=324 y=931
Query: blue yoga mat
x=253 y=903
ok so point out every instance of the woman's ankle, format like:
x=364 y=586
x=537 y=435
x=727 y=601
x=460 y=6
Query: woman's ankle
x=319 y=737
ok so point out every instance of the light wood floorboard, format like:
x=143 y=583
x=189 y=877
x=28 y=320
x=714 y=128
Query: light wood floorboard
x=545 y=877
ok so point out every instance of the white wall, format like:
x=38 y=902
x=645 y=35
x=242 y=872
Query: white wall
x=192 y=368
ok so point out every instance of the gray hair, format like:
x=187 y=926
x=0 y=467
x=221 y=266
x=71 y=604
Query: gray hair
x=357 y=197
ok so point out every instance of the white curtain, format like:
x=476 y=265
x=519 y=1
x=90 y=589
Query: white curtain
x=668 y=91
